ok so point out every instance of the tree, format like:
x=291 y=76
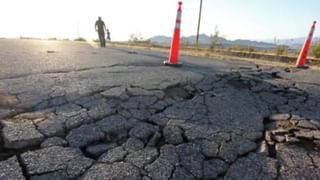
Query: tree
x=135 y=38
x=215 y=39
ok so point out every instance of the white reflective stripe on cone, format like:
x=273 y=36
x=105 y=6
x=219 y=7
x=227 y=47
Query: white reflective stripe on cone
x=179 y=15
x=311 y=35
x=312 y=31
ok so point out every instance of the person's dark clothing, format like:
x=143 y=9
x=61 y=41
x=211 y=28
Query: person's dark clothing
x=102 y=39
x=100 y=27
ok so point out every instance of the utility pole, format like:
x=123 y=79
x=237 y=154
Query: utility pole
x=199 y=20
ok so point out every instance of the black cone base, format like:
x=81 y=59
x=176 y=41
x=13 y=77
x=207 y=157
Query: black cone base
x=168 y=63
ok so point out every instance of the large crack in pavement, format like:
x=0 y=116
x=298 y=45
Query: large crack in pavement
x=244 y=124
x=63 y=71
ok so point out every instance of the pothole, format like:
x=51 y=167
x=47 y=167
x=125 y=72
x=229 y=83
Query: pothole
x=272 y=150
x=180 y=91
x=276 y=75
x=239 y=84
x=267 y=144
x=270 y=75
x=132 y=52
x=307 y=145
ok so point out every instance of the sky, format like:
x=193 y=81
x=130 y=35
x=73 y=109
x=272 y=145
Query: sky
x=235 y=19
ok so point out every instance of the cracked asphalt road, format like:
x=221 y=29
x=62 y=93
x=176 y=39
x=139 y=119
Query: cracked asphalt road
x=71 y=111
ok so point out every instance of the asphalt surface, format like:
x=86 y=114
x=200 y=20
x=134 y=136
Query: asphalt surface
x=73 y=111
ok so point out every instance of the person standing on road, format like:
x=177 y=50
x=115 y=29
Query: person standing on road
x=101 y=28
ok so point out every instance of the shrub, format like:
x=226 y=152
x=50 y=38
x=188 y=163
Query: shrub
x=185 y=42
x=215 y=40
x=52 y=39
x=281 y=49
x=316 y=50
x=80 y=39
x=251 y=49
x=238 y=47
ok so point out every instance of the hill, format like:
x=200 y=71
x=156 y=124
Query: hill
x=205 y=40
x=294 y=43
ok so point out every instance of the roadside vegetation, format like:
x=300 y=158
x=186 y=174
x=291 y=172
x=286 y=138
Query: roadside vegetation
x=138 y=39
x=281 y=49
x=216 y=47
x=80 y=39
x=316 y=49
x=242 y=48
x=215 y=41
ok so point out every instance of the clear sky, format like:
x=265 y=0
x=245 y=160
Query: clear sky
x=236 y=19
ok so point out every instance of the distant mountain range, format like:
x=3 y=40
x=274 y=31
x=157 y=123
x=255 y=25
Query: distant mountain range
x=294 y=43
x=204 y=40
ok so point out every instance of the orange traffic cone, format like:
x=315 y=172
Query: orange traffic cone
x=304 y=51
x=174 y=52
